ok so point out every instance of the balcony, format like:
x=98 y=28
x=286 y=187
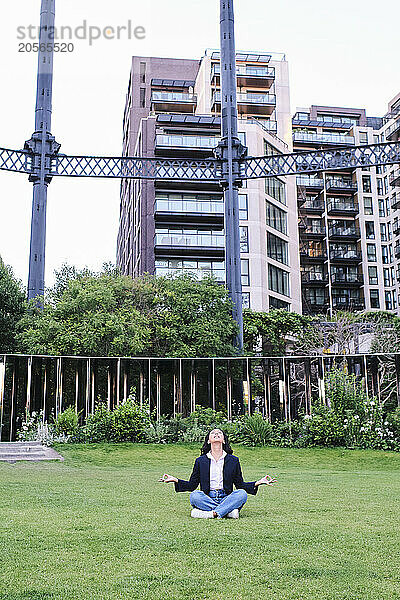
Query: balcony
x=393 y=132
x=394 y=178
x=313 y=206
x=310 y=183
x=247 y=76
x=314 y=231
x=396 y=228
x=320 y=123
x=182 y=145
x=347 y=303
x=190 y=240
x=179 y=102
x=315 y=305
x=395 y=201
x=354 y=279
x=344 y=255
x=189 y=210
x=338 y=207
x=322 y=139
x=248 y=103
x=269 y=125
x=310 y=255
x=350 y=232
x=311 y=278
x=338 y=184
x=397 y=251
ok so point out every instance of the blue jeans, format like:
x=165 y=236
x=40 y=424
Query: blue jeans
x=218 y=498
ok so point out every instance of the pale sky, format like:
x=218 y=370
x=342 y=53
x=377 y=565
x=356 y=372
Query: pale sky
x=343 y=54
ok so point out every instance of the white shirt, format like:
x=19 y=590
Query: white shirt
x=216 y=471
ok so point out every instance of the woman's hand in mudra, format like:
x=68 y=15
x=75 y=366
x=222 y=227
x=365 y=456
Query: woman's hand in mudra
x=168 y=479
x=266 y=480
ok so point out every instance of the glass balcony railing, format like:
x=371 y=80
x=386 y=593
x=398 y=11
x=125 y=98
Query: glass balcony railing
x=193 y=240
x=344 y=254
x=313 y=205
x=249 y=98
x=342 y=206
x=347 y=278
x=395 y=201
x=214 y=207
x=311 y=277
x=347 y=302
x=252 y=71
x=340 y=183
x=187 y=141
x=344 y=231
x=315 y=229
x=393 y=130
x=311 y=182
x=394 y=178
x=173 y=97
x=197 y=273
x=323 y=138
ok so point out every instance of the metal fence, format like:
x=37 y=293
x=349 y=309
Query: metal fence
x=281 y=388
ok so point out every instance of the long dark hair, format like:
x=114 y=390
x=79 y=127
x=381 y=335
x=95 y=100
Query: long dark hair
x=207 y=446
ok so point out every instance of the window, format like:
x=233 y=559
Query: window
x=278 y=280
x=388 y=301
x=270 y=150
x=390 y=253
x=363 y=137
x=276 y=188
x=244 y=239
x=142 y=97
x=394 y=299
x=386 y=277
x=374 y=298
x=277 y=248
x=389 y=231
x=373 y=275
x=245 y=300
x=379 y=185
x=245 y=271
x=279 y=304
x=385 y=255
x=316 y=296
x=385 y=185
x=243 y=208
x=392 y=277
x=143 y=72
x=276 y=218
x=376 y=141
x=387 y=204
x=368 y=208
x=366 y=181
x=381 y=203
x=371 y=253
x=383 y=232
x=369 y=230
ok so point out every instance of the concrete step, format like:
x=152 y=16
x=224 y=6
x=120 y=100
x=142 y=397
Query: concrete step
x=30 y=451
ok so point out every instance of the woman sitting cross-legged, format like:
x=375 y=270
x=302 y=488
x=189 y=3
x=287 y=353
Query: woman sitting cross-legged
x=217 y=470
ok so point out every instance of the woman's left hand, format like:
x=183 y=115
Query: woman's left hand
x=266 y=480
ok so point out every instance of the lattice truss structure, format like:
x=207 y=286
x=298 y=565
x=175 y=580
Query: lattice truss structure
x=23 y=161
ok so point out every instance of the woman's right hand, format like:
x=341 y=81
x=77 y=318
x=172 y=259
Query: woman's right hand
x=168 y=479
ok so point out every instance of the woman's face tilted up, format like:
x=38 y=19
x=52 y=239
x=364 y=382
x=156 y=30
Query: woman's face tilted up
x=216 y=435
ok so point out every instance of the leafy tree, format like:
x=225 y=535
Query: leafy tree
x=188 y=317
x=108 y=314
x=266 y=332
x=12 y=307
x=87 y=315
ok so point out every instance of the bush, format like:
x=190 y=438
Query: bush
x=255 y=431
x=67 y=422
x=129 y=422
x=324 y=428
x=98 y=426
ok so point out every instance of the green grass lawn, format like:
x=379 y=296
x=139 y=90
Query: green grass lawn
x=99 y=526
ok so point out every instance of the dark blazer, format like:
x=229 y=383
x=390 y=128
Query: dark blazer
x=232 y=474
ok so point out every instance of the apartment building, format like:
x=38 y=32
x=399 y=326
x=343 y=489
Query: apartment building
x=348 y=220
x=173 y=110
